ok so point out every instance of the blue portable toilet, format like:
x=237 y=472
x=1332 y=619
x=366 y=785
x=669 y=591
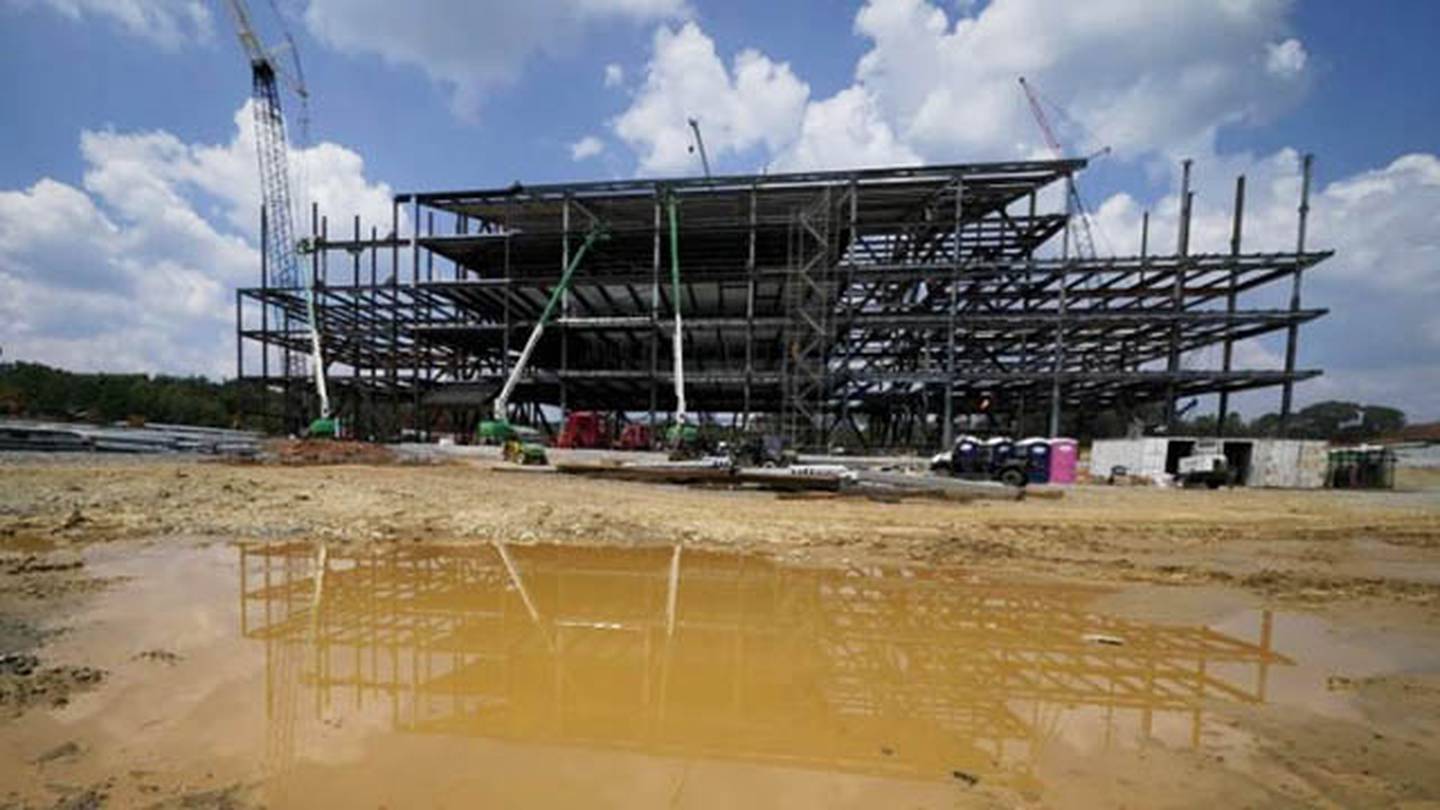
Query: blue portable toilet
x=1036 y=453
x=966 y=457
x=1001 y=449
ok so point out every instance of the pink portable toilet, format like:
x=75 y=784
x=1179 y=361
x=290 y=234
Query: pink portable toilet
x=1063 y=455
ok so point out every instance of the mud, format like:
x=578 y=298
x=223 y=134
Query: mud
x=600 y=644
x=305 y=452
x=25 y=682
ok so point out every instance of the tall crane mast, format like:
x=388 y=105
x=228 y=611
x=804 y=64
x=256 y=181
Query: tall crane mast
x=1085 y=234
x=282 y=249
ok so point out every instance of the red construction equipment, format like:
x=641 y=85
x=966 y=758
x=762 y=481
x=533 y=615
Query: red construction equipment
x=635 y=436
x=585 y=429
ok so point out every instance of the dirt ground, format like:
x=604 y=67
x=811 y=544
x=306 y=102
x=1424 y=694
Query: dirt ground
x=1367 y=562
x=1293 y=545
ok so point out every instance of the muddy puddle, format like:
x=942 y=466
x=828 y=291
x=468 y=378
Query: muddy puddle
x=293 y=675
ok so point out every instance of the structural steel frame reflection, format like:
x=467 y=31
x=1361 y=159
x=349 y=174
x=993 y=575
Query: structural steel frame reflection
x=883 y=671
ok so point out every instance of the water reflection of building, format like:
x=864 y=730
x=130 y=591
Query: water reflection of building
x=699 y=654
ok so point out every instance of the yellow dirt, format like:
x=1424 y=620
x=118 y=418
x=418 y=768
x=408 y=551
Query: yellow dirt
x=1352 y=578
x=1297 y=544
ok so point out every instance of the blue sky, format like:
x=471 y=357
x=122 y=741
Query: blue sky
x=404 y=101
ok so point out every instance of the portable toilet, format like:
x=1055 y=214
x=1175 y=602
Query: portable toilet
x=1036 y=454
x=1001 y=449
x=966 y=457
x=1064 y=453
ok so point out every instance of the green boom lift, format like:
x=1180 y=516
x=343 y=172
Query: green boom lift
x=498 y=429
x=682 y=435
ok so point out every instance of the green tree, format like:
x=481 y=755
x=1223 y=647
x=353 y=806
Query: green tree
x=1381 y=419
x=31 y=389
x=1324 y=420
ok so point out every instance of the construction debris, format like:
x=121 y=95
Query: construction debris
x=326 y=451
x=35 y=436
x=798 y=480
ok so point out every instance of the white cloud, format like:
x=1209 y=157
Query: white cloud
x=466 y=46
x=587 y=147
x=168 y=23
x=1384 y=224
x=136 y=269
x=1146 y=78
x=1253 y=354
x=1285 y=59
x=1380 y=340
x=1156 y=81
x=845 y=130
x=1136 y=75
x=614 y=75
x=752 y=103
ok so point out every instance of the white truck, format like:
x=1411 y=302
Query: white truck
x=1206 y=466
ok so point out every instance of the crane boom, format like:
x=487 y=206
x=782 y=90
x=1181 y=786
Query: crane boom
x=678 y=338
x=700 y=144
x=282 y=249
x=1041 y=119
x=502 y=400
x=1084 y=235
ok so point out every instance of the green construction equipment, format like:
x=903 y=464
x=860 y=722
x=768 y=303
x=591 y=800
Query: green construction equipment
x=498 y=429
x=678 y=345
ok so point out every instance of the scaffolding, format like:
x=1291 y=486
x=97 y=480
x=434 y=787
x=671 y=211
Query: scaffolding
x=871 y=308
x=899 y=673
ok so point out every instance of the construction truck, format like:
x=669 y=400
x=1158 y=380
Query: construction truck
x=635 y=436
x=756 y=450
x=1206 y=466
x=518 y=444
x=976 y=460
x=586 y=430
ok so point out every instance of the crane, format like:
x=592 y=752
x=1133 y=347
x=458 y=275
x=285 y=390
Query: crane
x=700 y=144
x=1085 y=234
x=282 y=250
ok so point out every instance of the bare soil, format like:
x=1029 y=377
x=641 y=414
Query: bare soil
x=1367 y=561
x=1293 y=545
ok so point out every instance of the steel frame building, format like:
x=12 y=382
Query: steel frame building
x=870 y=307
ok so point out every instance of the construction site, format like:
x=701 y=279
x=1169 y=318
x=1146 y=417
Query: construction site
x=873 y=309
x=868 y=487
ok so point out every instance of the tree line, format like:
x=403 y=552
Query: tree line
x=39 y=391
x=1332 y=419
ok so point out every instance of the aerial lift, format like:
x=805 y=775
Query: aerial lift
x=682 y=435
x=272 y=147
x=683 y=438
x=498 y=428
